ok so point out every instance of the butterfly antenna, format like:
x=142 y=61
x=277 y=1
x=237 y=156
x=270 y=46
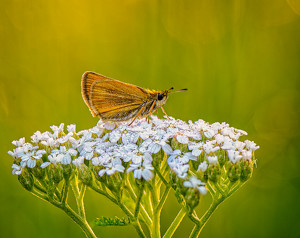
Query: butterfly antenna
x=181 y=90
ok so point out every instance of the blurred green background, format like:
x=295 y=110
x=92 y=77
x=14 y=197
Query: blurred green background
x=239 y=59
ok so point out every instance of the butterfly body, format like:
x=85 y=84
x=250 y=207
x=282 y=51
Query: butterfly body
x=113 y=100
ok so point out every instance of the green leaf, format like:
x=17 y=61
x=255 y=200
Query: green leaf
x=104 y=221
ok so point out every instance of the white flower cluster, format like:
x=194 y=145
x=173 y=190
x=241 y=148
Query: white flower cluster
x=117 y=147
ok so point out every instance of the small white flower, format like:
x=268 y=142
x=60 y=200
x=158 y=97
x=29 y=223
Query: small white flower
x=36 y=137
x=78 y=161
x=56 y=130
x=12 y=153
x=114 y=136
x=64 y=138
x=141 y=167
x=247 y=155
x=157 y=145
x=115 y=165
x=239 y=145
x=251 y=145
x=196 y=152
x=130 y=137
x=74 y=142
x=181 y=170
x=19 y=142
x=31 y=163
x=71 y=128
x=109 y=125
x=16 y=169
x=203 y=166
x=97 y=130
x=154 y=148
x=45 y=164
x=219 y=139
x=209 y=147
x=183 y=139
x=212 y=159
x=167 y=148
x=86 y=150
x=66 y=153
x=234 y=156
x=50 y=142
x=241 y=132
x=209 y=133
x=194 y=182
x=189 y=156
x=55 y=158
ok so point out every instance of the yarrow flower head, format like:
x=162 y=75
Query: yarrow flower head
x=194 y=152
x=131 y=164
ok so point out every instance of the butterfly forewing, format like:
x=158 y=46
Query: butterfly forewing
x=88 y=78
x=116 y=101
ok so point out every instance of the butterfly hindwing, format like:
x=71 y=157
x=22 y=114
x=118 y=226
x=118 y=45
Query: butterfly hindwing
x=116 y=101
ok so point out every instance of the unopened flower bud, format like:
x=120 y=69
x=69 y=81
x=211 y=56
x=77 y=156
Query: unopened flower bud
x=246 y=170
x=26 y=180
x=38 y=172
x=85 y=174
x=174 y=143
x=192 y=198
x=95 y=171
x=222 y=159
x=115 y=183
x=55 y=173
x=234 y=172
x=67 y=171
x=213 y=172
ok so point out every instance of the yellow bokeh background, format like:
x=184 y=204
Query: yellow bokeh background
x=239 y=59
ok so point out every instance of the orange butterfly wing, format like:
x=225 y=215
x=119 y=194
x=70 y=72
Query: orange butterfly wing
x=88 y=78
x=111 y=99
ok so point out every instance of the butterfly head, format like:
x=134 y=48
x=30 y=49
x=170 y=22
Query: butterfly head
x=162 y=96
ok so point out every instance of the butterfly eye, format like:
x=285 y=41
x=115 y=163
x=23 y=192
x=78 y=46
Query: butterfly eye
x=160 y=96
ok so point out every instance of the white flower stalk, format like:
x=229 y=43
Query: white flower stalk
x=191 y=158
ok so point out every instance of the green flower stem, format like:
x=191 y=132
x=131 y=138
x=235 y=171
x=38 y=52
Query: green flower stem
x=96 y=189
x=78 y=198
x=235 y=188
x=147 y=219
x=65 y=191
x=57 y=193
x=80 y=221
x=200 y=224
x=163 y=199
x=139 y=229
x=155 y=229
x=138 y=201
x=172 y=228
x=136 y=223
x=161 y=177
x=40 y=188
x=148 y=204
x=220 y=190
x=73 y=215
x=165 y=169
x=210 y=188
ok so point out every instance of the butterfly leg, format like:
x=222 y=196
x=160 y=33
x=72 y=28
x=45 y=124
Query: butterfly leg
x=151 y=110
x=139 y=112
x=165 y=113
x=157 y=114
